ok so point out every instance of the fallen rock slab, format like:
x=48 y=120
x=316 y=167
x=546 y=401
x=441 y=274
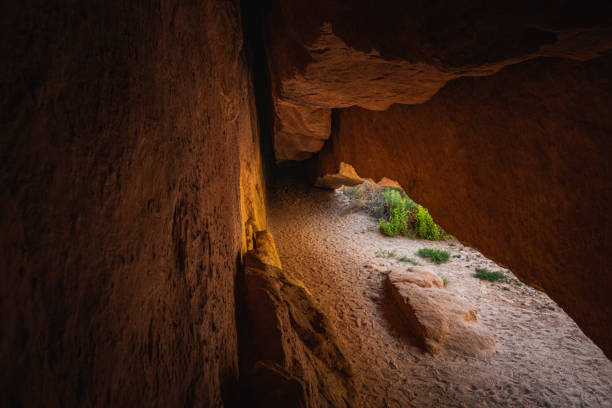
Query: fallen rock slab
x=442 y=320
x=419 y=276
x=290 y=354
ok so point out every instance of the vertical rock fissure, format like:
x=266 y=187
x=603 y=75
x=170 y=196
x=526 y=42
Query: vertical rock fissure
x=255 y=52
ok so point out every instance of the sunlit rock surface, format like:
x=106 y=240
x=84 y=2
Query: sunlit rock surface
x=520 y=172
x=291 y=357
x=443 y=321
x=496 y=118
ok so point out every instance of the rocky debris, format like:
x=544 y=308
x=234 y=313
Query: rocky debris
x=387 y=182
x=292 y=358
x=443 y=320
x=346 y=176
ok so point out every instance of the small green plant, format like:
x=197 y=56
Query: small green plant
x=444 y=279
x=395 y=219
x=435 y=255
x=505 y=288
x=385 y=254
x=397 y=224
x=485 y=274
x=425 y=225
x=352 y=191
x=409 y=260
x=398 y=214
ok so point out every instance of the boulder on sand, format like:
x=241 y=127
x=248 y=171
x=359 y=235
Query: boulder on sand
x=442 y=320
x=419 y=276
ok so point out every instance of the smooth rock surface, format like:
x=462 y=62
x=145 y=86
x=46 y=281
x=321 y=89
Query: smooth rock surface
x=443 y=321
x=129 y=151
x=416 y=275
x=346 y=176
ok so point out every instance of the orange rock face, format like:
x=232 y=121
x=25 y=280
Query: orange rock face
x=291 y=356
x=443 y=321
x=503 y=129
x=334 y=54
x=127 y=130
x=516 y=165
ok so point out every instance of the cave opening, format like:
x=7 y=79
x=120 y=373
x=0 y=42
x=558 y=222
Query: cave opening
x=422 y=331
x=173 y=234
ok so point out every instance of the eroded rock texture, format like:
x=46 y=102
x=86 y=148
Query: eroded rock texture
x=443 y=321
x=337 y=54
x=516 y=164
x=290 y=356
x=507 y=140
x=127 y=137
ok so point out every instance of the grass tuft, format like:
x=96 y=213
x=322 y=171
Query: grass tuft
x=491 y=276
x=409 y=260
x=384 y=254
x=435 y=255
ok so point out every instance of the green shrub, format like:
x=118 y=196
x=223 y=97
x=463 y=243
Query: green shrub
x=409 y=260
x=397 y=225
x=425 y=225
x=485 y=274
x=395 y=207
x=352 y=191
x=435 y=255
x=397 y=214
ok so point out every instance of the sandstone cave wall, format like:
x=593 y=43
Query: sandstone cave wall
x=129 y=163
x=326 y=54
x=516 y=164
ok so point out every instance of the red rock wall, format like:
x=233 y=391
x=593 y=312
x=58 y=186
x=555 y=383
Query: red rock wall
x=326 y=54
x=120 y=202
x=516 y=164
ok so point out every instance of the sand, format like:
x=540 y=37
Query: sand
x=542 y=359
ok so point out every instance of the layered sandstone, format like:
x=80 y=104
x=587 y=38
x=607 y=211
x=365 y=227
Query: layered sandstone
x=290 y=356
x=496 y=117
x=324 y=55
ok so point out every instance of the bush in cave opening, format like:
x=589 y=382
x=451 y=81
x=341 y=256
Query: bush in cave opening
x=398 y=213
x=395 y=210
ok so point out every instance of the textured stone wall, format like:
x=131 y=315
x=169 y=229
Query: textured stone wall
x=516 y=164
x=496 y=115
x=127 y=128
x=326 y=54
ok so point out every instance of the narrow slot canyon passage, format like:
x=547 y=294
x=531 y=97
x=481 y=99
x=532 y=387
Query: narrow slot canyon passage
x=542 y=358
x=166 y=239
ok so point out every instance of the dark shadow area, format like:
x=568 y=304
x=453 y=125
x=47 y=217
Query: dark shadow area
x=397 y=324
x=255 y=53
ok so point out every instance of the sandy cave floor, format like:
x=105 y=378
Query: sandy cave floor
x=542 y=358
